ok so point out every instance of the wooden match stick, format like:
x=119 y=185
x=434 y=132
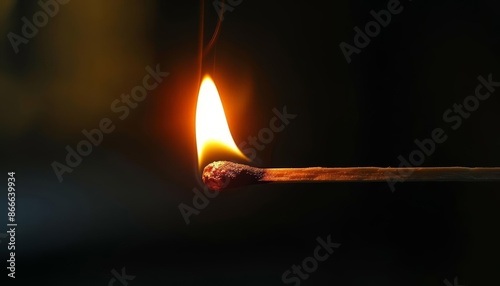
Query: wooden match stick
x=222 y=175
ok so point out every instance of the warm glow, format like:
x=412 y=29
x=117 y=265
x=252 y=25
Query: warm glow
x=212 y=131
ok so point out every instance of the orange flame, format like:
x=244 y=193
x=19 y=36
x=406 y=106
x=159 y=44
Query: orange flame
x=213 y=138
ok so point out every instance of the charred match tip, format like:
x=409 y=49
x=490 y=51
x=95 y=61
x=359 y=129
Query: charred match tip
x=221 y=175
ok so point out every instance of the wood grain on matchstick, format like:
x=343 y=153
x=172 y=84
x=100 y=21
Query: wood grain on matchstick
x=224 y=175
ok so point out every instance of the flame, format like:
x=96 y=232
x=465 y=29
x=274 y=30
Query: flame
x=213 y=138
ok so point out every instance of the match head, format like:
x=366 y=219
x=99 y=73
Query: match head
x=221 y=175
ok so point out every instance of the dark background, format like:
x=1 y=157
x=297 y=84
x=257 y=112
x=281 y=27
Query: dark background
x=120 y=206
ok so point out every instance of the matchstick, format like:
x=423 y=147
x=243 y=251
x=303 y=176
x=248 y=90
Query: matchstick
x=222 y=175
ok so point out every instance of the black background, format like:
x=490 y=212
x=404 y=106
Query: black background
x=120 y=206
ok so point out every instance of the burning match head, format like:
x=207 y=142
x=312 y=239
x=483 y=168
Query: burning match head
x=222 y=175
